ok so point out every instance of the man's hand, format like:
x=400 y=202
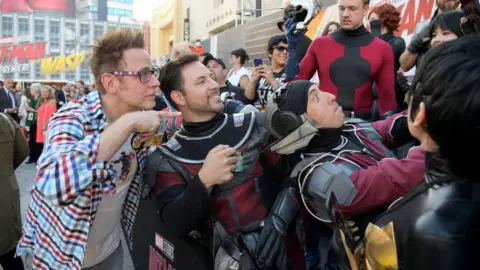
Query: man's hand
x=420 y=41
x=272 y=244
x=470 y=24
x=147 y=123
x=218 y=167
x=293 y=35
x=10 y=110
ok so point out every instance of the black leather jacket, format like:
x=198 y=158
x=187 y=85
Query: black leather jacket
x=437 y=225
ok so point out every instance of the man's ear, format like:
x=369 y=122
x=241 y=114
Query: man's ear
x=178 y=98
x=224 y=72
x=108 y=81
x=420 y=124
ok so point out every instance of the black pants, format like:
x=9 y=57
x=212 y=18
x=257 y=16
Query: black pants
x=9 y=262
x=35 y=148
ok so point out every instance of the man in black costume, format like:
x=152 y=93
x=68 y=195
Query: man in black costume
x=436 y=225
x=212 y=178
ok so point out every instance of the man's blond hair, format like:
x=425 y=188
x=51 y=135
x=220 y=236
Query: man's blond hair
x=107 y=53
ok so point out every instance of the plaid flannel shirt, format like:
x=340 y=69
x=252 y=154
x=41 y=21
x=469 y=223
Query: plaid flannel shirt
x=69 y=185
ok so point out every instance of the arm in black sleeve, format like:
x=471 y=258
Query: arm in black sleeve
x=182 y=206
x=398 y=46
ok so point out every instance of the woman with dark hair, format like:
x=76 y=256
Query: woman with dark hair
x=384 y=21
x=445 y=27
x=330 y=28
x=238 y=75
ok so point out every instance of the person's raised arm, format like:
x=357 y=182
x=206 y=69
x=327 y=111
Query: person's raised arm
x=388 y=180
x=418 y=44
x=72 y=160
x=295 y=69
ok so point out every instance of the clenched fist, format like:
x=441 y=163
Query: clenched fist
x=218 y=167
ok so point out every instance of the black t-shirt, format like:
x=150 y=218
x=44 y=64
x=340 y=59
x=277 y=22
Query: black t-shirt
x=159 y=103
x=236 y=92
x=264 y=89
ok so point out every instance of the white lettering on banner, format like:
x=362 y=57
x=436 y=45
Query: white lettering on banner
x=14 y=68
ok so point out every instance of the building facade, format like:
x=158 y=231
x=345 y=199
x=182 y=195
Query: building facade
x=63 y=37
x=167 y=24
x=105 y=10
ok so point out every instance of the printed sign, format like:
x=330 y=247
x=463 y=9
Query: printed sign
x=35 y=52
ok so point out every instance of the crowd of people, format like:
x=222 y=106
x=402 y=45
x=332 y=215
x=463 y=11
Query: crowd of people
x=290 y=166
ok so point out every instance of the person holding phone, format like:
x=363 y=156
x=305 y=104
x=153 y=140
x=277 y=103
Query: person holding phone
x=265 y=80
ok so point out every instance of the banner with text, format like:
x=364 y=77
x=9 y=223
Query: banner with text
x=35 y=52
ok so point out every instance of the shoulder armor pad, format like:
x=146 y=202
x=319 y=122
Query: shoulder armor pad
x=328 y=179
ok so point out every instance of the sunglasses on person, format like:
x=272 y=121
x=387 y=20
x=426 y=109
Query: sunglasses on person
x=280 y=48
x=144 y=75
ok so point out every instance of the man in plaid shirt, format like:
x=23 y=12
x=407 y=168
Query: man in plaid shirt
x=88 y=177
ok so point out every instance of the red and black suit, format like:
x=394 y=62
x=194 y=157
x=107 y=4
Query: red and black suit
x=238 y=207
x=348 y=63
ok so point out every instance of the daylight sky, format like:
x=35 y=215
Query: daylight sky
x=143 y=8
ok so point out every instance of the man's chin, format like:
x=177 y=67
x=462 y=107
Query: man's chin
x=148 y=105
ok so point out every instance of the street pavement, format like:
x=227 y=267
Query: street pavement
x=25 y=177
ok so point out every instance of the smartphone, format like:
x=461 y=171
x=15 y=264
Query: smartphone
x=257 y=62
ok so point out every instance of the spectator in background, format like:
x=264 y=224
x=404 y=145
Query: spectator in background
x=8 y=99
x=348 y=62
x=420 y=42
x=265 y=80
x=14 y=149
x=17 y=89
x=81 y=86
x=445 y=27
x=384 y=21
x=219 y=74
x=22 y=109
x=180 y=48
x=45 y=111
x=61 y=95
x=330 y=28
x=73 y=93
x=238 y=75
x=31 y=123
x=91 y=88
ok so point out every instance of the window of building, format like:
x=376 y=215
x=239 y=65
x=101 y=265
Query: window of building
x=119 y=12
x=70 y=76
x=38 y=76
x=23 y=26
x=57 y=75
x=84 y=35
x=123 y=1
x=54 y=34
x=93 y=8
x=71 y=38
x=7 y=26
x=98 y=31
x=84 y=72
x=39 y=30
